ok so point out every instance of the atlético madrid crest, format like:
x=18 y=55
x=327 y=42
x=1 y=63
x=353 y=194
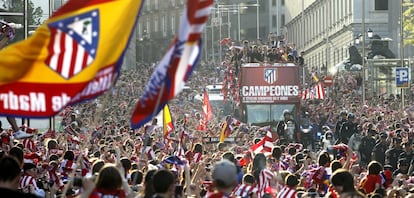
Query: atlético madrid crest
x=73 y=43
x=270 y=75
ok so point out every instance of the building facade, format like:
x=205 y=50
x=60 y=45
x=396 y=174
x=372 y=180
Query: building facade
x=325 y=29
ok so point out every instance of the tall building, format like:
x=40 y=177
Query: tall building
x=241 y=20
x=325 y=29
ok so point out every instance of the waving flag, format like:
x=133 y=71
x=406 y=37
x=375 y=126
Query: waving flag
x=226 y=129
x=265 y=145
x=70 y=58
x=168 y=126
x=177 y=64
x=207 y=112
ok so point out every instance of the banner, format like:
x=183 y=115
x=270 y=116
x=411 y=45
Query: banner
x=170 y=76
x=70 y=58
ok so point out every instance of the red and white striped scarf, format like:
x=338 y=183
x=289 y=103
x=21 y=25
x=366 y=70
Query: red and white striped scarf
x=286 y=192
x=53 y=176
x=66 y=167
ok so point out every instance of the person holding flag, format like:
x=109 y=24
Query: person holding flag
x=226 y=129
x=208 y=114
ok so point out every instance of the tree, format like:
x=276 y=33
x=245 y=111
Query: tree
x=408 y=25
x=34 y=16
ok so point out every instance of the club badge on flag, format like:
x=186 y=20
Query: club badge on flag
x=72 y=57
x=176 y=66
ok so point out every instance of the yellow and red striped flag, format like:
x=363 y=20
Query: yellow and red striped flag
x=167 y=123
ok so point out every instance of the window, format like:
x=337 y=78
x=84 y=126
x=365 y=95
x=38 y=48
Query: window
x=274 y=21
x=282 y=20
x=173 y=23
x=282 y=2
x=156 y=24
x=148 y=6
x=164 y=26
x=140 y=31
x=381 y=4
x=147 y=26
x=274 y=3
x=156 y=4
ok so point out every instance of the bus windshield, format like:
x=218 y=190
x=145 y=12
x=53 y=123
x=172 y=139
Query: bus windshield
x=263 y=113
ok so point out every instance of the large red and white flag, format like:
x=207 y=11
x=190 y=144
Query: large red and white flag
x=319 y=91
x=265 y=145
x=170 y=76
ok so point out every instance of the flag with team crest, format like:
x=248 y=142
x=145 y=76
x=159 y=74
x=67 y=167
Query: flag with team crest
x=174 y=69
x=74 y=56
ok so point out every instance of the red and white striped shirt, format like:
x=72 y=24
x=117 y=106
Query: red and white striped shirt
x=26 y=181
x=287 y=192
x=29 y=144
x=244 y=190
x=66 y=167
x=265 y=179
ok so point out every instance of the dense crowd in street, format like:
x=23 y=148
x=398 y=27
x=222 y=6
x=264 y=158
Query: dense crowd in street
x=366 y=148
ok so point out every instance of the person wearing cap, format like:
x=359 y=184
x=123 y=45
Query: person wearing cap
x=348 y=129
x=366 y=147
x=224 y=176
x=378 y=153
x=28 y=181
x=393 y=153
x=342 y=119
x=289 y=190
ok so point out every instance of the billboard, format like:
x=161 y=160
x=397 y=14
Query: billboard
x=269 y=84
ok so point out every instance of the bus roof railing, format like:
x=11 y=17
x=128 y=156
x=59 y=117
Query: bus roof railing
x=278 y=64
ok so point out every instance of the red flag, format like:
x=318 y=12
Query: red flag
x=225 y=41
x=207 y=111
x=320 y=91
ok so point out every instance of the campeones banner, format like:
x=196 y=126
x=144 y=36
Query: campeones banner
x=76 y=55
x=269 y=84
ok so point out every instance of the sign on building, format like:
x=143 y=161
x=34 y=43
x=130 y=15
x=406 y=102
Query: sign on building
x=402 y=77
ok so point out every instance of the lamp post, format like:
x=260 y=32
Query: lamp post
x=238 y=8
x=363 y=51
x=257 y=20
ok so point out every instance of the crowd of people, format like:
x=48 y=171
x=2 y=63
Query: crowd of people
x=367 y=149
